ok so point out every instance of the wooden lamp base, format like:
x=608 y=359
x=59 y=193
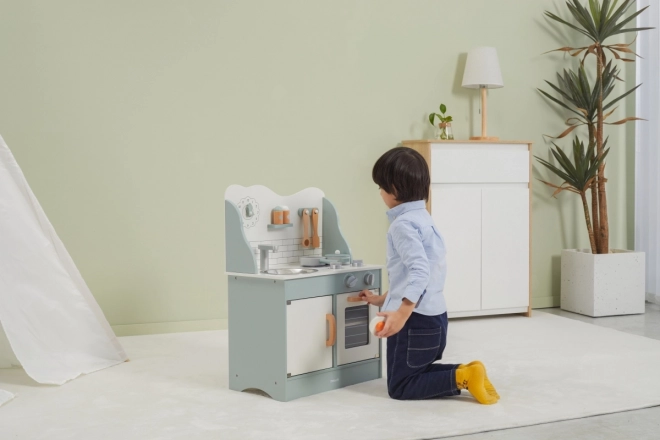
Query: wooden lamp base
x=484 y=120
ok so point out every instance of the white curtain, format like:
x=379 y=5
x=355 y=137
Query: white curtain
x=49 y=320
x=647 y=148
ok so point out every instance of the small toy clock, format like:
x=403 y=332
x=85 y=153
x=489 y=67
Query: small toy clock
x=249 y=209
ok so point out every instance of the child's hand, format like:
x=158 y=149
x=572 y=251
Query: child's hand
x=394 y=322
x=368 y=297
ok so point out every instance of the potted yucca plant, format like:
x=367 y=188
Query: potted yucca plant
x=599 y=281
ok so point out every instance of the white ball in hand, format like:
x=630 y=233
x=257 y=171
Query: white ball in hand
x=374 y=323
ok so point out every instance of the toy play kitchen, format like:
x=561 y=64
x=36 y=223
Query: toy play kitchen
x=296 y=324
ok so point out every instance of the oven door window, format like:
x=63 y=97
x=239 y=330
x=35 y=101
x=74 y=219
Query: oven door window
x=356 y=326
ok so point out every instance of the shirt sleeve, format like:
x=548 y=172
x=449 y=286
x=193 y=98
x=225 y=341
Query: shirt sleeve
x=407 y=242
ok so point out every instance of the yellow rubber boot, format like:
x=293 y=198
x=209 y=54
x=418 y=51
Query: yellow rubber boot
x=472 y=379
x=487 y=384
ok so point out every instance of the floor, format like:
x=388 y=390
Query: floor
x=639 y=425
x=163 y=393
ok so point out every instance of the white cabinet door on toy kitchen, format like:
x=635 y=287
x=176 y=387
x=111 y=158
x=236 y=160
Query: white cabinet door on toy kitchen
x=309 y=335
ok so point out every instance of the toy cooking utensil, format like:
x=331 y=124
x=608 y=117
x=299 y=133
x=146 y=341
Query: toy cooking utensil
x=322 y=261
x=305 y=221
x=343 y=259
x=315 y=228
x=311 y=262
x=337 y=256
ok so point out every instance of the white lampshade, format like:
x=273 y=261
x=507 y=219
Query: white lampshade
x=482 y=69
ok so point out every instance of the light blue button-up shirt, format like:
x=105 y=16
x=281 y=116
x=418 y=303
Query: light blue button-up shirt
x=415 y=260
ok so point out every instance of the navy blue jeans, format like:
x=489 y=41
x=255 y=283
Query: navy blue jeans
x=411 y=353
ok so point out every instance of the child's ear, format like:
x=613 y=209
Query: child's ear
x=394 y=193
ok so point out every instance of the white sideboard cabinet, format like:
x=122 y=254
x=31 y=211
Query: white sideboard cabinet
x=480 y=201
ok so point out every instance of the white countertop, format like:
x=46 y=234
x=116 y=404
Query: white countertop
x=321 y=271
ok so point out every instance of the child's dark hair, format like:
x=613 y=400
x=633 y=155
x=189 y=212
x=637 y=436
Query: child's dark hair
x=403 y=172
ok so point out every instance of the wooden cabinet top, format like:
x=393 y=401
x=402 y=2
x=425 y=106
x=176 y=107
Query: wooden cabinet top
x=439 y=141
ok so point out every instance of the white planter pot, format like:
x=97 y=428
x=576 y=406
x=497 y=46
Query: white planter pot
x=603 y=284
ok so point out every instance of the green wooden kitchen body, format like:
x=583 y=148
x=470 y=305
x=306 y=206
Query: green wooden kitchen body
x=292 y=336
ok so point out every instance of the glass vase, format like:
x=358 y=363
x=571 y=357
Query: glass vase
x=445 y=132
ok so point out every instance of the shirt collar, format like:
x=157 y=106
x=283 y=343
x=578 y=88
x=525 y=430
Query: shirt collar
x=405 y=207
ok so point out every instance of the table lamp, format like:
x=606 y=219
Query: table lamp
x=482 y=71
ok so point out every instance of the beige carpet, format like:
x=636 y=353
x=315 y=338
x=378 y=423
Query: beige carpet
x=546 y=368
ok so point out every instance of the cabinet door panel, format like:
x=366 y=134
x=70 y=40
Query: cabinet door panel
x=457 y=213
x=505 y=247
x=306 y=334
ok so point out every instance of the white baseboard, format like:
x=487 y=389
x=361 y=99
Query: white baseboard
x=545 y=302
x=153 y=328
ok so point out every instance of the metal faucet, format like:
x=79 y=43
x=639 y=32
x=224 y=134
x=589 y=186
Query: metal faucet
x=263 y=255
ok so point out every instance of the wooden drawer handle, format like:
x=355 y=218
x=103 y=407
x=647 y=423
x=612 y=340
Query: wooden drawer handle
x=332 y=322
x=354 y=299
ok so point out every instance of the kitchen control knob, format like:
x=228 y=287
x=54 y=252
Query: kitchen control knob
x=350 y=281
x=369 y=279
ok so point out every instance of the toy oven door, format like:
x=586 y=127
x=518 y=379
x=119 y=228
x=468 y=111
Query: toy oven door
x=354 y=341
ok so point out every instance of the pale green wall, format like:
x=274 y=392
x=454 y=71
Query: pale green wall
x=130 y=118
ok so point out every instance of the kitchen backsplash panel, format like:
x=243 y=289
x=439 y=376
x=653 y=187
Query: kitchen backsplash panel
x=289 y=251
x=256 y=203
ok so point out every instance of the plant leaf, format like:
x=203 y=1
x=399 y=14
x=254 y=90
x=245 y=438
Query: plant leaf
x=605 y=116
x=633 y=30
x=614 y=101
x=563 y=49
x=595 y=12
x=623 y=49
x=559 y=189
x=623 y=121
x=564 y=94
x=613 y=20
x=582 y=17
x=619 y=27
x=567 y=131
x=575 y=121
x=552 y=98
x=565 y=161
x=553 y=168
x=587 y=18
x=443 y=108
x=617 y=56
x=556 y=18
x=611 y=9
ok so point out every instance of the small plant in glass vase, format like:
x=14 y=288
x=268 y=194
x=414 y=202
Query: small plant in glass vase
x=445 y=132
